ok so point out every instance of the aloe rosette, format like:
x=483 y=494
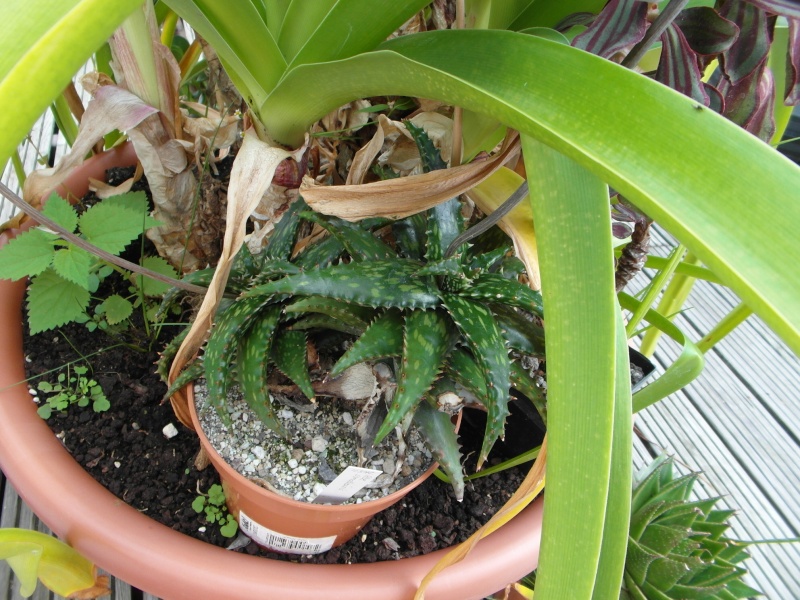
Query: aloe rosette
x=445 y=324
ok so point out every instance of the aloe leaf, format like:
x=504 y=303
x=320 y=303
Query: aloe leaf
x=252 y=360
x=464 y=370
x=448 y=266
x=191 y=372
x=442 y=441
x=498 y=289
x=281 y=241
x=425 y=338
x=519 y=332
x=445 y=224
x=356 y=317
x=382 y=339
x=320 y=255
x=429 y=154
x=410 y=236
x=477 y=324
x=360 y=243
x=220 y=349
x=321 y=321
x=523 y=383
x=201 y=277
x=291 y=357
x=380 y=283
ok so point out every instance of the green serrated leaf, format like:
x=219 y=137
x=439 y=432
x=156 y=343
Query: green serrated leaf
x=355 y=316
x=54 y=301
x=290 y=356
x=441 y=439
x=425 y=337
x=61 y=211
x=381 y=283
x=116 y=309
x=151 y=287
x=360 y=243
x=111 y=226
x=382 y=339
x=496 y=288
x=282 y=239
x=73 y=264
x=137 y=203
x=26 y=255
x=477 y=324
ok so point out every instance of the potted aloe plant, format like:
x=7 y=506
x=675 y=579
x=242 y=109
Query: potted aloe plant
x=583 y=122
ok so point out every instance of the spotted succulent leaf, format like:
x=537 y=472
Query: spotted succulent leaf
x=488 y=241
x=493 y=287
x=360 y=243
x=477 y=324
x=487 y=260
x=525 y=384
x=221 y=346
x=201 y=277
x=446 y=266
x=429 y=154
x=445 y=224
x=273 y=269
x=282 y=239
x=464 y=370
x=519 y=332
x=321 y=254
x=382 y=339
x=290 y=356
x=356 y=317
x=384 y=283
x=168 y=353
x=410 y=236
x=252 y=359
x=324 y=322
x=442 y=441
x=425 y=344
x=192 y=371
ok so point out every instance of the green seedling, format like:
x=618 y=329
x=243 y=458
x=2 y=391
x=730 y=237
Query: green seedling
x=72 y=388
x=216 y=511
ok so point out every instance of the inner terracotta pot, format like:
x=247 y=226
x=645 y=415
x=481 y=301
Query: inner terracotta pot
x=286 y=525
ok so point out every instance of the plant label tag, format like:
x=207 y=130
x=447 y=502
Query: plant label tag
x=280 y=542
x=349 y=481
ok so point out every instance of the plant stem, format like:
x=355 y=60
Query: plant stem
x=728 y=323
x=654 y=289
x=655 y=30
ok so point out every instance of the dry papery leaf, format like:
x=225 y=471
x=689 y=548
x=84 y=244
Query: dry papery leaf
x=531 y=487
x=103 y=190
x=251 y=175
x=398 y=198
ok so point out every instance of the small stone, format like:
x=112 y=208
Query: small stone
x=302 y=470
x=388 y=468
x=319 y=444
x=117 y=464
x=33 y=392
x=250 y=468
x=298 y=454
x=135 y=426
x=259 y=451
x=347 y=418
x=201 y=529
x=318 y=488
x=286 y=414
x=292 y=463
x=169 y=431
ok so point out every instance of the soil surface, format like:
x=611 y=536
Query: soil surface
x=125 y=450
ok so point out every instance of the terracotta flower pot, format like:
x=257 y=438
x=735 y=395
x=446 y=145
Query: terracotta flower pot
x=275 y=517
x=173 y=566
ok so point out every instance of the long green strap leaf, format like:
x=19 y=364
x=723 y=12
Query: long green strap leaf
x=654 y=151
x=573 y=234
x=618 y=509
x=43 y=45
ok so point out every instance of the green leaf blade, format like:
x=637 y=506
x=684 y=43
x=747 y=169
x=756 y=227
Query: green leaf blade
x=54 y=301
x=30 y=253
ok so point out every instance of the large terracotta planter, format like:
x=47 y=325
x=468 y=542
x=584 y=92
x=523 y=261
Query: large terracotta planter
x=173 y=566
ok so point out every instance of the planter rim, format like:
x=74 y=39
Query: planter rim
x=173 y=566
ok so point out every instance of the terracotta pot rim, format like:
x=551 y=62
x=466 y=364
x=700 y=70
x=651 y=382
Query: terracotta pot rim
x=171 y=565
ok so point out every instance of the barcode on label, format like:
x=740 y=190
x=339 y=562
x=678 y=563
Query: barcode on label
x=280 y=542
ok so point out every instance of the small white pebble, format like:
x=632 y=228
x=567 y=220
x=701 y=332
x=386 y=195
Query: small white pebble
x=286 y=414
x=117 y=464
x=292 y=463
x=319 y=444
x=363 y=537
x=347 y=418
x=169 y=431
x=259 y=451
x=135 y=426
x=201 y=529
x=33 y=392
x=302 y=470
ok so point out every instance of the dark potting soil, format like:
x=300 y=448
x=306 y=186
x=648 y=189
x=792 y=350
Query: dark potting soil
x=125 y=450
